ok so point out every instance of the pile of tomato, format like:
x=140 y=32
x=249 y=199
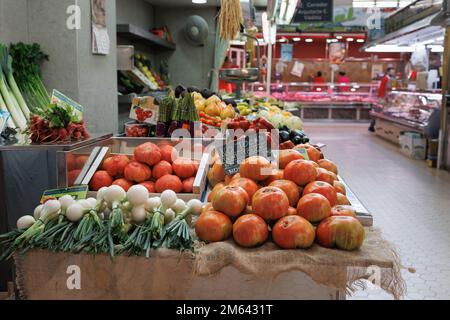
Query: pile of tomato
x=210 y=120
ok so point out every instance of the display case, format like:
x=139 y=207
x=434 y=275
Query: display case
x=328 y=101
x=408 y=111
x=76 y=167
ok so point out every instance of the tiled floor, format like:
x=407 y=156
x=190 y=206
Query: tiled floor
x=409 y=201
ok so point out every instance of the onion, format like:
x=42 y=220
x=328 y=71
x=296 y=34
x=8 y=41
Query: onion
x=85 y=204
x=114 y=194
x=152 y=203
x=195 y=206
x=179 y=206
x=37 y=211
x=137 y=195
x=169 y=215
x=66 y=201
x=92 y=202
x=75 y=212
x=50 y=209
x=168 y=198
x=25 y=222
x=101 y=193
x=139 y=214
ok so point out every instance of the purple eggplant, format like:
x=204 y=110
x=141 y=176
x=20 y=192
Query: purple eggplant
x=161 y=129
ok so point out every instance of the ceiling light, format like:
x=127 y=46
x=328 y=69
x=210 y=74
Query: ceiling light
x=338 y=37
x=282 y=40
x=360 y=40
x=436 y=48
x=387 y=4
x=199 y=1
x=363 y=4
x=389 y=48
x=350 y=39
x=308 y=40
x=296 y=39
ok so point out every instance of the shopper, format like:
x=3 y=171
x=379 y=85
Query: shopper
x=223 y=85
x=319 y=80
x=342 y=79
x=385 y=87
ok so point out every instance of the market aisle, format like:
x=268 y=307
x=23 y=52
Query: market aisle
x=409 y=201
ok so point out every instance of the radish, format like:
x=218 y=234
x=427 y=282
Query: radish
x=25 y=222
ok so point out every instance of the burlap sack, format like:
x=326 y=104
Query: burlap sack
x=169 y=274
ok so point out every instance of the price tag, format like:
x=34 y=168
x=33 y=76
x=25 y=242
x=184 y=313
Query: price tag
x=77 y=192
x=233 y=153
x=145 y=110
x=61 y=100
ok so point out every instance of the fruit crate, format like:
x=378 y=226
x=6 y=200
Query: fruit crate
x=197 y=149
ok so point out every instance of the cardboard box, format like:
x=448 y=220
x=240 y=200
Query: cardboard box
x=413 y=145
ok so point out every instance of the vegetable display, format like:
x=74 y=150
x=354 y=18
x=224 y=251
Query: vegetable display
x=116 y=222
x=56 y=124
x=157 y=167
x=291 y=199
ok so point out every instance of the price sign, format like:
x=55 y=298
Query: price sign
x=314 y=11
x=61 y=100
x=233 y=153
x=77 y=192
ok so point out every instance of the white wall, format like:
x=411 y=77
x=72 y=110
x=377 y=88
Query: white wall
x=72 y=68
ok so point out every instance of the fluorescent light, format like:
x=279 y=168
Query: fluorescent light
x=440 y=39
x=296 y=39
x=199 y=1
x=389 y=48
x=308 y=40
x=436 y=48
x=350 y=39
x=332 y=40
x=360 y=40
x=363 y=4
x=282 y=40
x=387 y=4
x=338 y=37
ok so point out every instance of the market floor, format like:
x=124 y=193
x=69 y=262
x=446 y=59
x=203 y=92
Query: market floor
x=410 y=202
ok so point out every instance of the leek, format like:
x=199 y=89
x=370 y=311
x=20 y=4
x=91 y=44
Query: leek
x=6 y=65
x=26 y=61
x=10 y=122
x=15 y=112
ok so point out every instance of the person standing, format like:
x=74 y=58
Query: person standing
x=318 y=80
x=384 y=88
x=343 y=79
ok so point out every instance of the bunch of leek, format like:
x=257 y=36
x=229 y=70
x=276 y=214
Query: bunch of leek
x=26 y=63
x=12 y=99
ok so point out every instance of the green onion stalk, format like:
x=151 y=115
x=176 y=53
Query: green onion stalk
x=48 y=217
x=7 y=240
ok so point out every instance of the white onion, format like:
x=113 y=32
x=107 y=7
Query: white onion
x=85 y=203
x=139 y=214
x=75 y=212
x=101 y=193
x=169 y=215
x=195 y=206
x=51 y=208
x=25 y=222
x=168 y=198
x=38 y=211
x=152 y=203
x=114 y=194
x=179 y=206
x=66 y=201
x=92 y=202
x=137 y=195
